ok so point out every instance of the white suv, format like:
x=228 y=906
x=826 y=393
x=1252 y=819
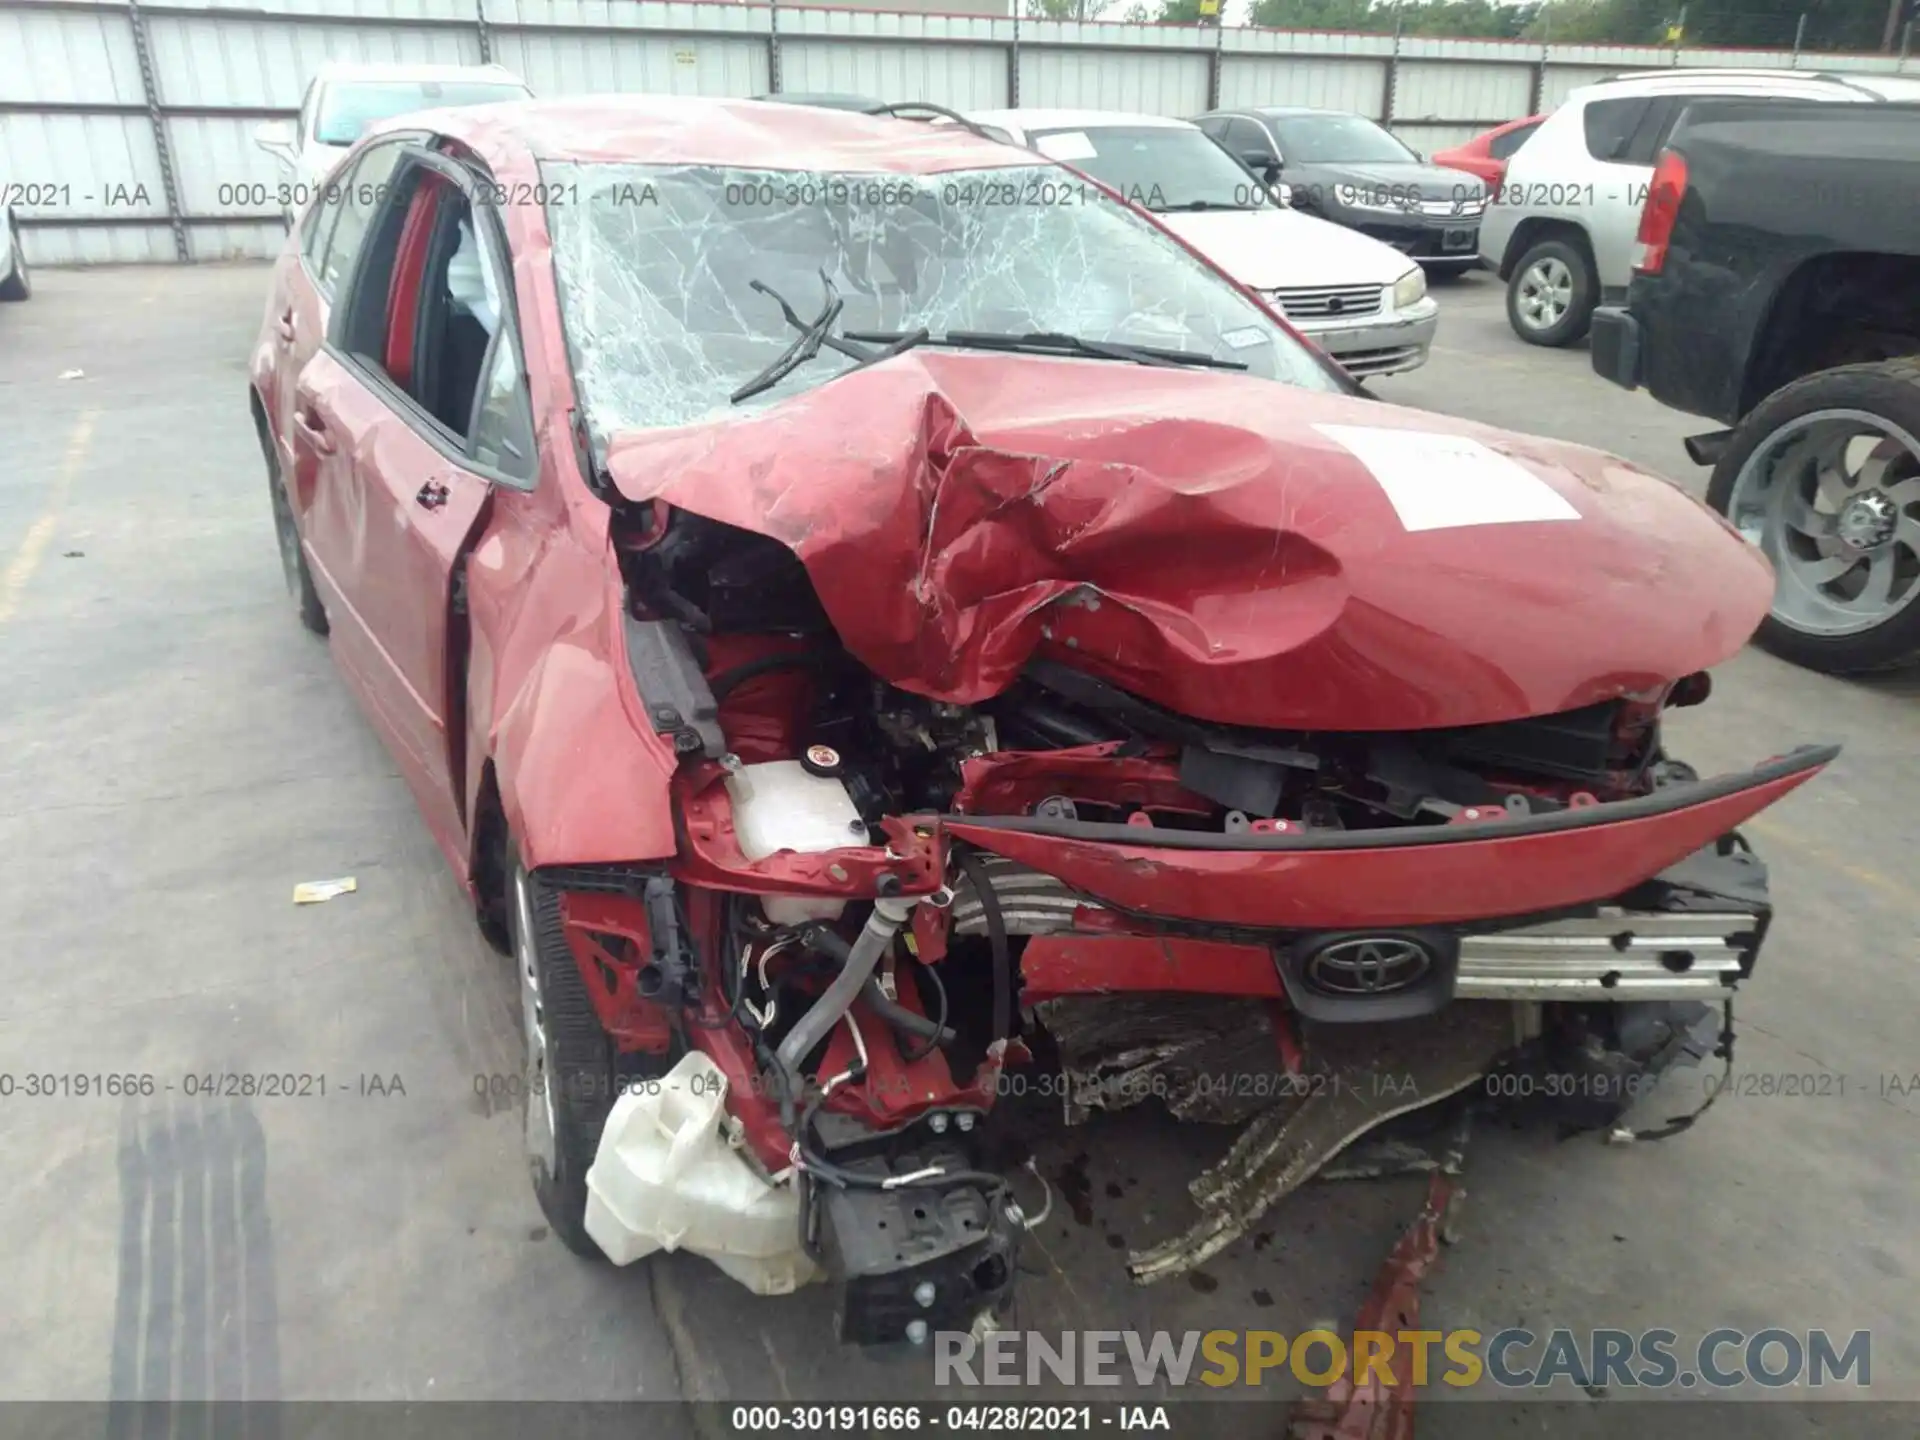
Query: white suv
x=1561 y=225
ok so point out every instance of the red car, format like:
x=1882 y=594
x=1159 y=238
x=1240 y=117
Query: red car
x=880 y=627
x=1486 y=155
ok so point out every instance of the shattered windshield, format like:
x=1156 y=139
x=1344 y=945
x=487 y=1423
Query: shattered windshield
x=670 y=278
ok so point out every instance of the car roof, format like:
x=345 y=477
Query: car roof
x=408 y=70
x=1032 y=120
x=1655 y=82
x=686 y=130
x=832 y=100
x=1285 y=110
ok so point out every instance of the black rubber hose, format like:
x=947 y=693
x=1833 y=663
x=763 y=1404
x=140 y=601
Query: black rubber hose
x=831 y=943
x=996 y=942
x=934 y=1031
x=729 y=680
x=1058 y=726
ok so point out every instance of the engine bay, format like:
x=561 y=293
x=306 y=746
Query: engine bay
x=859 y=960
x=784 y=687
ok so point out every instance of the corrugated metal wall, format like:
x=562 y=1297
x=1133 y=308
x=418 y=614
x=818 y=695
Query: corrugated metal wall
x=92 y=90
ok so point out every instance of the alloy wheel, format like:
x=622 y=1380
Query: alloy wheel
x=1833 y=499
x=1546 y=293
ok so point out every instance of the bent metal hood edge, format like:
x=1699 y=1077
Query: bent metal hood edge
x=1237 y=550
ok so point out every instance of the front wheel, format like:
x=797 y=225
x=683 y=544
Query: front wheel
x=1551 y=296
x=1824 y=476
x=569 y=1071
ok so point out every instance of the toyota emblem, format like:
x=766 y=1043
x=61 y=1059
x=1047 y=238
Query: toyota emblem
x=1369 y=965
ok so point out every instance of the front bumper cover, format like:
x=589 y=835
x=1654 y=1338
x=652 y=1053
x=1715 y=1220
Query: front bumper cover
x=1592 y=905
x=1691 y=933
x=1382 y=344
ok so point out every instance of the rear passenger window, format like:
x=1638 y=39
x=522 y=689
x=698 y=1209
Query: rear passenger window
x=1502 y=147
x=361 y=190
x=1611 y=123
x=1643 y=146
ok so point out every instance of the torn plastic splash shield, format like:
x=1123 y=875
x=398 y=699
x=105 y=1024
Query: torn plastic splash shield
x=1414 y=875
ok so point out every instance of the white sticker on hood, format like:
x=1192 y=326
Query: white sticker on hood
x=1065 y=145
x=1437 y=481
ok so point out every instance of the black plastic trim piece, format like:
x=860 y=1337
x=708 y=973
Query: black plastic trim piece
x=672 y=686
x=1664 y=801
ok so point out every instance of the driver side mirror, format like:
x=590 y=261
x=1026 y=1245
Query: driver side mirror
x=1263 y=163
x=276 y=137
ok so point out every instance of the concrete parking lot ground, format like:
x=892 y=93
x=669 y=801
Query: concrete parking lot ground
x=176 y=754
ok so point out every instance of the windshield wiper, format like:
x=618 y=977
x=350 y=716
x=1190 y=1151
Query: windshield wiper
x=1192 y=206
x=813 y=334
x=818 y=332
x=1046 y=342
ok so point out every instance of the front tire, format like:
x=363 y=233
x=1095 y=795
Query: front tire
x=1551 y=294
x=1824 y=476
x=569 y=1070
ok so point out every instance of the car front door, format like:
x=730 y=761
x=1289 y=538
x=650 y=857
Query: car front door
x=407 y=417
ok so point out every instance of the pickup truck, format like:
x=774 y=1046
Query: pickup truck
x=1776 y=290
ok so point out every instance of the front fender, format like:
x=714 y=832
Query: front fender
x=583 y=780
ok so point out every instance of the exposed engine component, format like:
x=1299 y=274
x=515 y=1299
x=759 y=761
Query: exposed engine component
x=784 y=805
x=863 y=1035
x=911 y=1260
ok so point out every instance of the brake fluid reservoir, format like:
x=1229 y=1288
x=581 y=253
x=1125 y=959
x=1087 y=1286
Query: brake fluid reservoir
x=778 y=805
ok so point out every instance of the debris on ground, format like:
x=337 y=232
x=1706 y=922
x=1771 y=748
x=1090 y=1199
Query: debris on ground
x=1396 y=1070
x=313 y=892
x=1381 y=1409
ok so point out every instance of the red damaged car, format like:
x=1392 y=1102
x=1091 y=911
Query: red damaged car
x=870 y=615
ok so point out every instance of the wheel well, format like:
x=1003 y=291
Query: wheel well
x=487 y=863
x=1530 y=233
x=1835 y=310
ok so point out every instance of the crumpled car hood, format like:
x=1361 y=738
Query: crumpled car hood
x=1234 y=549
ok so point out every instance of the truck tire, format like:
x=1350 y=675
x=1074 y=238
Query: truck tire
x=1552 y=292
x=1824 y=476
x=569 y=1066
